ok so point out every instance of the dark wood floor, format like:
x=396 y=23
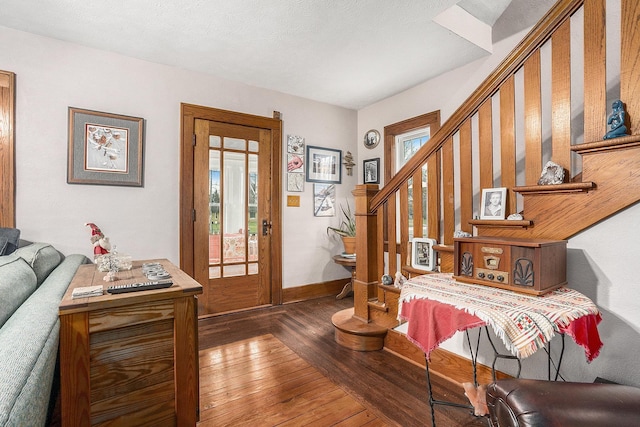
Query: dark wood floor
x=390 y=388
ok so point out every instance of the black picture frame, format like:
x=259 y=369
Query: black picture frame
x=371 y=171
x=323 y=165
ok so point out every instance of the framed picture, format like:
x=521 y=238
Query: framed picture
x=324 y=200
x=104 y=148
x=494 y=202
x=324 y=165
x=422 y=253
x=295 y=182
x=295 y=144
x=371 y=171
x=371 y=138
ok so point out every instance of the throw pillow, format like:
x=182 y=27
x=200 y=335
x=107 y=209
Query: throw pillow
x=9 y=239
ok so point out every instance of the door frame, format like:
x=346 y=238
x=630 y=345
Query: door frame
x=188 y=114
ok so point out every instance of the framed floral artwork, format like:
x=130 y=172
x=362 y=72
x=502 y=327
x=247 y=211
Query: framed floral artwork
x=104 y=148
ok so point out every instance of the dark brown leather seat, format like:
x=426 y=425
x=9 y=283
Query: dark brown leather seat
x=523 y=402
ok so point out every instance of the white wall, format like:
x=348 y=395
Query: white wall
x=601 y=260
x=144 y=222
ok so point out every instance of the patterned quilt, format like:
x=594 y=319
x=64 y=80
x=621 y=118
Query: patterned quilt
x=525 y=323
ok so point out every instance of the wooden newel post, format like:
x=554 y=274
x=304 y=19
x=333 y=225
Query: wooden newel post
x=366 y=281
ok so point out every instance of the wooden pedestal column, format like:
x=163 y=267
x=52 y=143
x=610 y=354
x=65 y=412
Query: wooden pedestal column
x=354 y=329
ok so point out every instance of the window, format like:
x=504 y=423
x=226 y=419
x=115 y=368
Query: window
x=402 y=141
x=407 y=130
x=408 y=143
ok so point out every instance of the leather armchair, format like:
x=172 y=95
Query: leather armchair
x=524 y=402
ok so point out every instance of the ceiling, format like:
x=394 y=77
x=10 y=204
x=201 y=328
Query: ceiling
x=349 y=53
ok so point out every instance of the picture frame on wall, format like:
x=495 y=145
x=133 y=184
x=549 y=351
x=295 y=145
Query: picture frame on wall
x=494 y=203
x=104 y=148
x=422 y=253
x=371 y=171
x=324 y=165
x=324 y=199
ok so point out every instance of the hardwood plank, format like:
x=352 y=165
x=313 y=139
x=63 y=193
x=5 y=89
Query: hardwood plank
x=466 y=177
x=186 y=361
x=448 y=190
x=595 y=84
x=485 y=142
x=391 y=232
x=508 y=142
x=390 y=390
x=417 y=203
x=561 y=96
x=7 y=149
x=630 y=62
x=434 y=172
x=532 y=119
x=404 y=222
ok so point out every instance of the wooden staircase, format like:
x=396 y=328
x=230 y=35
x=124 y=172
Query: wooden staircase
x=503 y=121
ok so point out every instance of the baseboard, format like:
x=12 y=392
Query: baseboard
x=444 y=364
x=314 y=290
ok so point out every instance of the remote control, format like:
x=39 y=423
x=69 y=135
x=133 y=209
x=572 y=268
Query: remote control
x=141 y=286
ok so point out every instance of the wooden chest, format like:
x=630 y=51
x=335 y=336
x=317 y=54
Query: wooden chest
x=532 y=266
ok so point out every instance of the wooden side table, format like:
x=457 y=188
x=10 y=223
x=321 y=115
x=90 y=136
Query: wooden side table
x=131 y=358
x=349 y=263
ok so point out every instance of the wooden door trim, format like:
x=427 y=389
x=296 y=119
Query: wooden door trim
x=7 y=149
x=188 y=114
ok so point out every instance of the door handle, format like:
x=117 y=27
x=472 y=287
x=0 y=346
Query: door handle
x=266 y=227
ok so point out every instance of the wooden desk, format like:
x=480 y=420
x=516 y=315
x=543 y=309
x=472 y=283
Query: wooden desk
x=130 y=359
x=349 y=263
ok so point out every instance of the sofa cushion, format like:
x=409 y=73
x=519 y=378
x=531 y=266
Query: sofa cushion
x=42 y=257
x=17 y=282
x=9 y=238
x=28 y=344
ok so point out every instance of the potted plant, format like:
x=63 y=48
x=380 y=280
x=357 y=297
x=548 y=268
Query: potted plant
x=346 y=230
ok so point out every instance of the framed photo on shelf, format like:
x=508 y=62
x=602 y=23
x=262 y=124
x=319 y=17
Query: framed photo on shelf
x=324 y=200
x=422 y=253
x=371 y=171
x=494 y=202
x=324 y=165
x=104 y=148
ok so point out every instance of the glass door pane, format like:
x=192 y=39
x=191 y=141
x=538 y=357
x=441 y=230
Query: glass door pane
x=233 y=202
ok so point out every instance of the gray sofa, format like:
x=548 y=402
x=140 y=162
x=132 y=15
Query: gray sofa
x=33 y=280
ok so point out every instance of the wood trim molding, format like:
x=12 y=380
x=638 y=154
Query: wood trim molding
x=7 y=149
x=314 y=290
x=188 y=114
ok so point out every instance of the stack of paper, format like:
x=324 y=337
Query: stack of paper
x=87 y=291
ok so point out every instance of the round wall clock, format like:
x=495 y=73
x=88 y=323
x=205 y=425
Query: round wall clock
x=371 y=138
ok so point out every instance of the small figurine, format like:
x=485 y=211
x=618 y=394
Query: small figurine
x=478 y=398
x=400 y=279
x=100 y=243
x=348 y=163
x=616 y=121
x=387 y=280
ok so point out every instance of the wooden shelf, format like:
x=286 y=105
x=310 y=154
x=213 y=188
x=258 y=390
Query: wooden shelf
x=607 y=144
x=571 y=187
x=389 y=288
x=522 y=223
